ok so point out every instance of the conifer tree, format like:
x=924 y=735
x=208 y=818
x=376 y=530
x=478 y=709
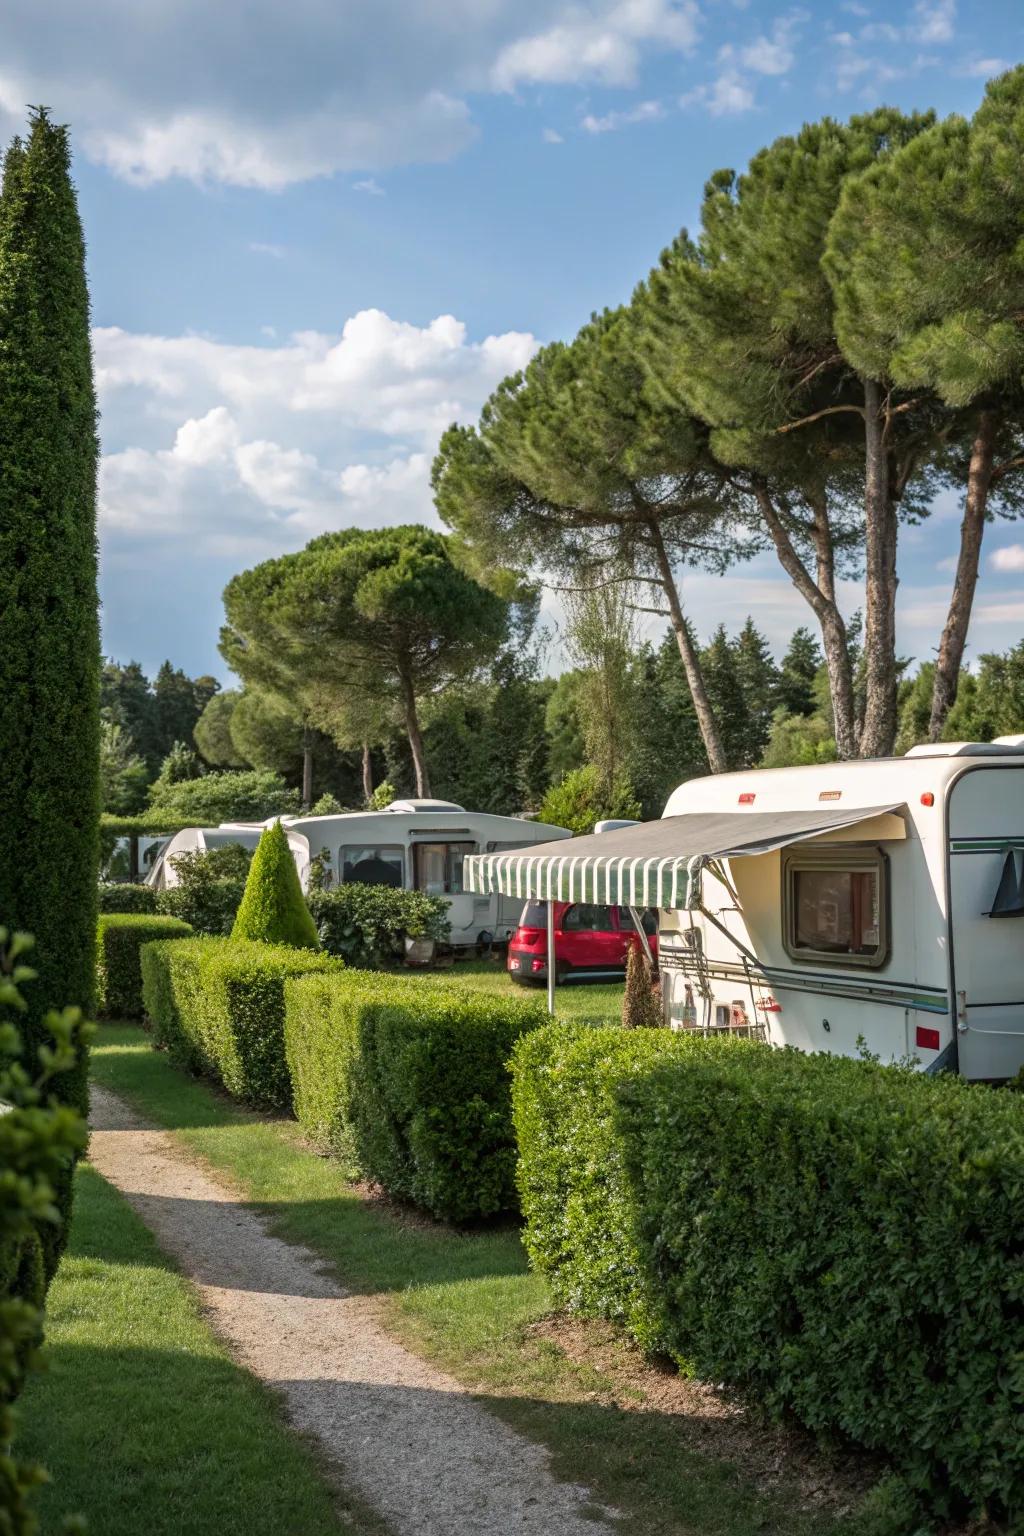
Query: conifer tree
x=273 y=909
x=794 y=690
x=743 y=744
x=924 y=258
x=575 y=469
x=743 y=334
x=758 y=677
x=49 y=636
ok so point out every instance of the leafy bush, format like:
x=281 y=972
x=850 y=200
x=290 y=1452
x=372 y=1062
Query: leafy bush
x=251 y=795
x=273 y=909
x=367 y=924
x=121 y=896
x=217 y=1005
x=839 y=1239
x=410 y=1082
x=210 y=889
x=39 y=1140
x=119 y=940
x=580 y=800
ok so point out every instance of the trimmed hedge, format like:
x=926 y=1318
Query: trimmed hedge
x=411 y=1084
x=119 y=940
x=121 y=896
x=838 y=1239
x=217 y=1006
x=367 y=924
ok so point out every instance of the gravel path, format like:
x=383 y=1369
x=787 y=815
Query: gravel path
x=423 y=1453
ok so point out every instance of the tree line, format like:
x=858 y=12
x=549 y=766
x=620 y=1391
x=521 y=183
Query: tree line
x=839 y=341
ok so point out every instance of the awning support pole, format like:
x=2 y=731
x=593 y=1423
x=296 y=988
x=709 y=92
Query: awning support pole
x=645 y=942
x=551 y=958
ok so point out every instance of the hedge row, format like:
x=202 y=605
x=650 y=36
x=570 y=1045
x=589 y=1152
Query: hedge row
x=124 y=896
x=119 y=940
x=838 y=1239
x=411 y=1084
x=217 y=1006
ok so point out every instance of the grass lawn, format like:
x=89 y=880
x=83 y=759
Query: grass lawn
x=589 y=1001
x=466 y=1300
x=143 y=1422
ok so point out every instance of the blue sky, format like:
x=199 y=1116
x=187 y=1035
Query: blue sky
x=319 y=232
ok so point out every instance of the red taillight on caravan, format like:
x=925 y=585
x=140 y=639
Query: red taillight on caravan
x=927 y=1039
x=747 y=798
x=927 y=798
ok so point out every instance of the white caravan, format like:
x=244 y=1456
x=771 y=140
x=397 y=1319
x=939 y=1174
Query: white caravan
x=873 y=905
x=414 y=845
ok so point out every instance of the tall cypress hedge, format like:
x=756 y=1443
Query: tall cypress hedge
x=49 y=630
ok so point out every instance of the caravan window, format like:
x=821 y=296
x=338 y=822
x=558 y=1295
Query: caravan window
x=361 y=864
x=439 y=867
x=835 y=905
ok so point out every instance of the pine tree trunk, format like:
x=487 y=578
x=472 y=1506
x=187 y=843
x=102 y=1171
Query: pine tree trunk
x=880 y=527
x=820 y=595
x=412 y=729
x=709 y=731
x=972 y=529
x=367 y=773
x=307 y=767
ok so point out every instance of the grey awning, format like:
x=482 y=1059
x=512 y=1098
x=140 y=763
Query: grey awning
x=657 y=863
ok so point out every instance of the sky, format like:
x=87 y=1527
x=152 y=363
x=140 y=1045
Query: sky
x=319 y=232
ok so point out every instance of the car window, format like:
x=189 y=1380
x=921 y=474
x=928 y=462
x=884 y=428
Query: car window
x=648 y=921
x=586 y=918
x=534 y=915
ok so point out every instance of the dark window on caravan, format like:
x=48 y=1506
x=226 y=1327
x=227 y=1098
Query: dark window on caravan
x=835 y=905
x=377 y=865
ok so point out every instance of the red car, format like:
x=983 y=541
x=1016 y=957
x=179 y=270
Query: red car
x=589 y=941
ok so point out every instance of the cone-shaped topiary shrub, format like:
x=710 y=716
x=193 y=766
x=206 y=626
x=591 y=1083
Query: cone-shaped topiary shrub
x=273 y=909
x=641 y=1003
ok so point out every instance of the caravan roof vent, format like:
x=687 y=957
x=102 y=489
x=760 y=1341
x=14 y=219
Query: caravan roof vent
x=1016 y=742
x=963 y=749
x=432 y=806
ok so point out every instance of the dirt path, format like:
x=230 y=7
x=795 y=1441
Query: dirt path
x=432 y=1461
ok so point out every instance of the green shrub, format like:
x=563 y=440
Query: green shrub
x=121 y=896
x=838 y=1239
x=580 y=800
x=210 y=888
x=119 y=940
x=366 y=924
x=410 y=1082
x=39 y=1140
x=217 y=1006
x=250 y=795
x=273 y=908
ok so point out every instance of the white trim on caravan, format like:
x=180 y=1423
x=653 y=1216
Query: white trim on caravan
x=414 y=844
x=839 y=907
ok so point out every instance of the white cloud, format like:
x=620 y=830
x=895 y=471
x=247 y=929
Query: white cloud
x=646 y=112
x=983 y=69
x=600 y=43
x=774 y=54
x=552 y=136
x=369 y=186
x=262 y=248
x=1009 y=558
x=267 y=95
x=251 y=449
x=934 y=21
x=726 y=96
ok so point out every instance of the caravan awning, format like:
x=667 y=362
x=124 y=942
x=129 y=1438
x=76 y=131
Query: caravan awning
x=657 y=863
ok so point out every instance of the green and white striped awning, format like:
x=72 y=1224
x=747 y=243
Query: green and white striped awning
x=656 y=863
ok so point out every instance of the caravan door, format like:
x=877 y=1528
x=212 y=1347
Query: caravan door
x=438 y=871
x=985 y=818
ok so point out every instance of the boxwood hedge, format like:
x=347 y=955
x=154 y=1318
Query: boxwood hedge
x=119 y=940
x=411 y=1083
x=123 y=896
x=838 y=1239
x=217 y=1006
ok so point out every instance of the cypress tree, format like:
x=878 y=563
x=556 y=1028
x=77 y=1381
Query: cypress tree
x=273 y=909
x=795 y=688
x=49 y=632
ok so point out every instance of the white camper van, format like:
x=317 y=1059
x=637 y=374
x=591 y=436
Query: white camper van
x=414 y=845
x=875 y=904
